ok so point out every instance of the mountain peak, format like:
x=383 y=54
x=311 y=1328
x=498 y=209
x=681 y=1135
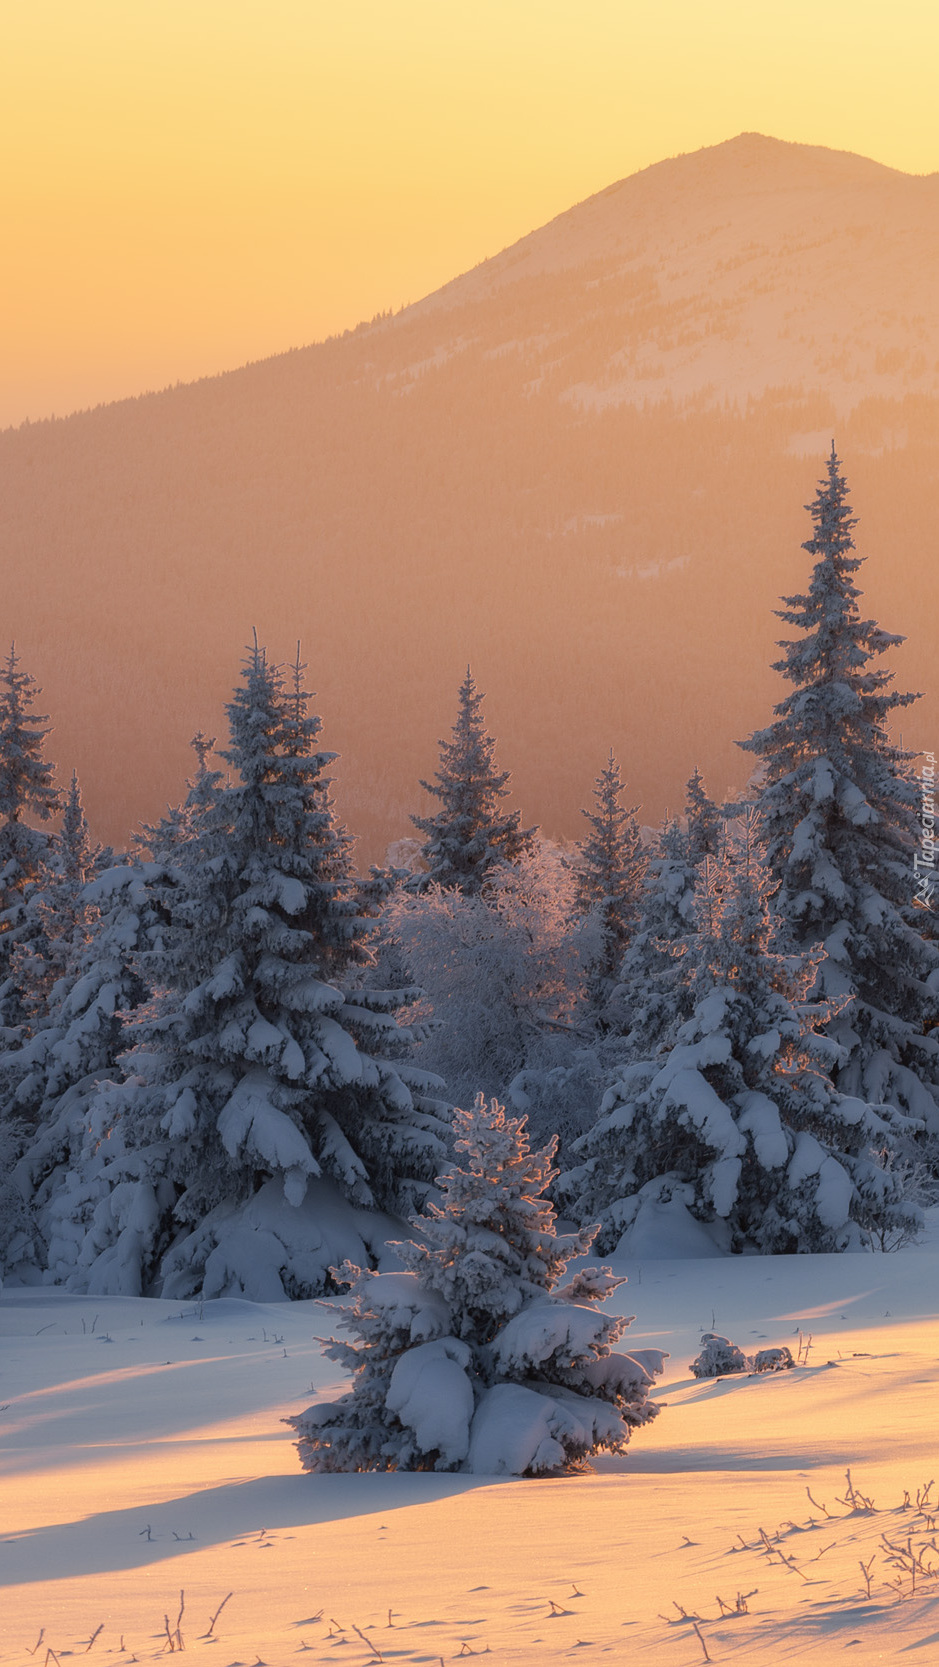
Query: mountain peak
x=752 y=183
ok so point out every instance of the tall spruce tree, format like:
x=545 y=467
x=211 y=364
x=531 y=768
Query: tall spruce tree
x=263 y=1074
x=610 y=873
x=470 y=832
x=26 y=790
x=738 y=1123
x=837 y=812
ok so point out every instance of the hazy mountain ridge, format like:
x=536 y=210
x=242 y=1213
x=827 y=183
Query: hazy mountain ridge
x=581 y=466
x=704 y=247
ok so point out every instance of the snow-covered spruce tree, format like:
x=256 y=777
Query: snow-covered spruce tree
x=837 y=811
x=610 y=872
x=704 y=828
x=471 y=831
x=57 y=921
x=75 y=1157
x=264 y=1095
x=162 y=840
x=61 y=911
x=26 y=789
x=478 y=1358
x=738 y=1126
x=652 y=995
x=122 y=914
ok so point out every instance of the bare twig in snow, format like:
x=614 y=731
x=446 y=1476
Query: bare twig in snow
x=373 y=1647
x=831 y=1544
x=701 y=1640
x=217 y=1614
x=823 y=1508
x=866 y=1571
x=857 y=1501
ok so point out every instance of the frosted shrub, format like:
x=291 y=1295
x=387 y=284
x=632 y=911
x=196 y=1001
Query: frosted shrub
x=503 y=970
x=718 y=1357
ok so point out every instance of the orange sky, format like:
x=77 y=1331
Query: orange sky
x=193 y=184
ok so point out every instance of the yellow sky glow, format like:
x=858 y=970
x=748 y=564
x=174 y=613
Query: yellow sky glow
x=191 y=185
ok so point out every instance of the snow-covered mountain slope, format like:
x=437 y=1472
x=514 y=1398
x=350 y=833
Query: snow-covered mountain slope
x=580 y=466
x=745 y=266
x=145 y=1463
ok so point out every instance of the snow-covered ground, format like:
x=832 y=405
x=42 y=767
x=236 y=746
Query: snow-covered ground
x=145 y=1467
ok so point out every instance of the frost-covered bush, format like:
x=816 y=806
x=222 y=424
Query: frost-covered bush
x=477 y=1357
x=560 y=1099
x=773 y=1360
x=503 y=970
x=719 y=1357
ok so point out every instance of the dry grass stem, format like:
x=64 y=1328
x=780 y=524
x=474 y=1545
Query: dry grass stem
x=701 y=1640
x=368 y=1642
x=217 y=1614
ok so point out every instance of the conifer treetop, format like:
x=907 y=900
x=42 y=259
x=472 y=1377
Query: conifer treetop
x=74 y=854
x=608 y=853
x=610 y=875
x=840 y=701
x=703 y=820
x=25 y=777
x=470 y=832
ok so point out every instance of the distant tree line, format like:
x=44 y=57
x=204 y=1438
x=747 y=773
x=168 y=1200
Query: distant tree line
x=228 y=1060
